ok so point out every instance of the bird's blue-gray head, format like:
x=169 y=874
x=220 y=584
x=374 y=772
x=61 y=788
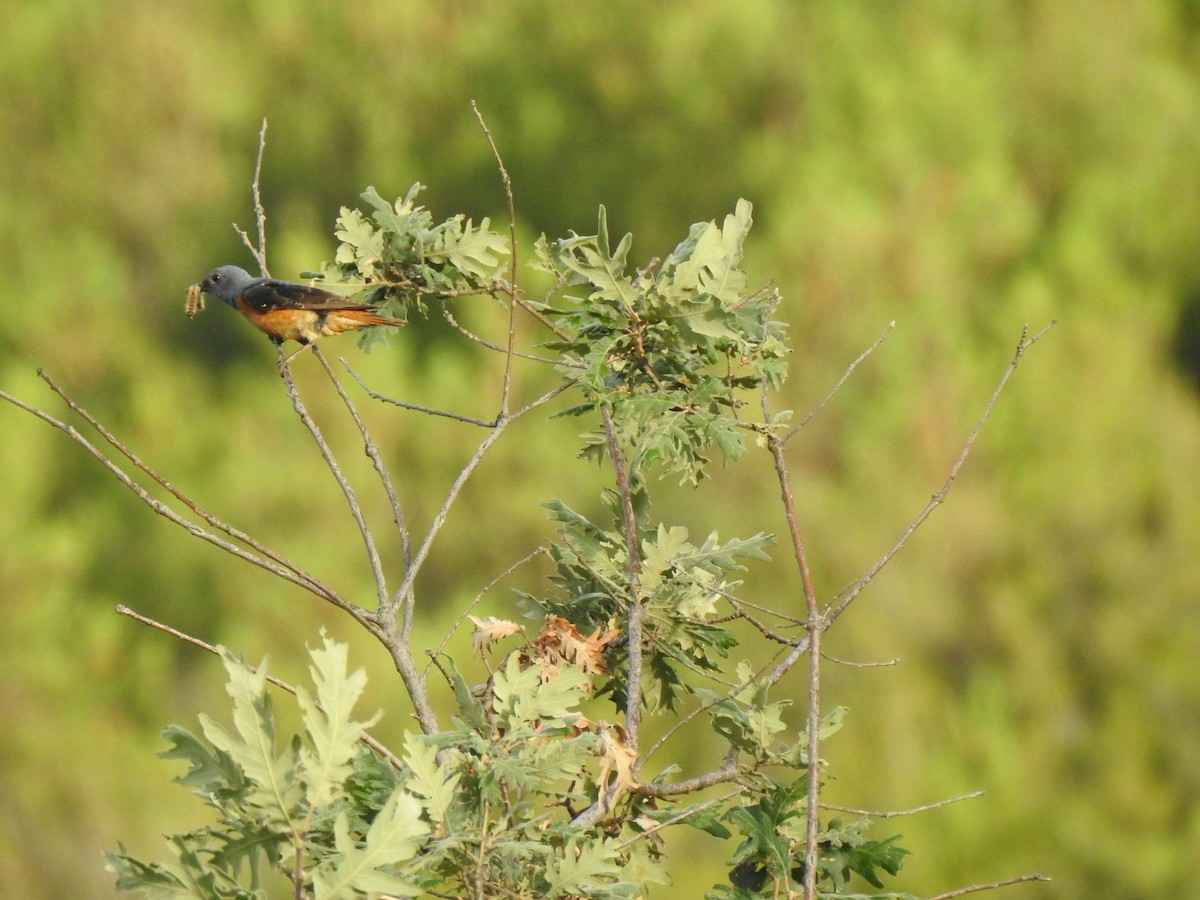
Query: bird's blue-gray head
x=225 y=283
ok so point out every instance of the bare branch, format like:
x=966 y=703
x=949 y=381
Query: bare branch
x=404 y=592
x=845 y=376
x=849 y=594
x=372 y=451
x=471 y=336
x=976 y=888
x=894 y=661
x=740 y=606
x=415 y=407
x=690 y=785
x=285 y=373
x=537 y=551
x=260 y=214
x=363 y=737
x=317 y=586
x=513 y=289
x=362 y=616
x=815 y=624
x=894 y=813
x=401 y=653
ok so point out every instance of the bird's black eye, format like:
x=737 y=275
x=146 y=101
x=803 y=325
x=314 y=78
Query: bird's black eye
x=215 y=278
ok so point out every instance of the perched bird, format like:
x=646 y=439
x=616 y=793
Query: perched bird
x=284 y=310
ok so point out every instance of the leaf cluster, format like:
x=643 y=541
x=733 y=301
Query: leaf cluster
x=399 y=256
x=485 y=806
x=524 y=795
x=680 y=585
x=529 y=761
x=669 y=349
x=318 y=809
x=769 y=861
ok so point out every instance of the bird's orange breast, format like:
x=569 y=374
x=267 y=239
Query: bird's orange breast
x=301 y=325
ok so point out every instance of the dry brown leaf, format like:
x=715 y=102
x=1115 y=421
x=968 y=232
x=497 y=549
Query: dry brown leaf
x=616 y=776
x=490 y=630
x=563 y=639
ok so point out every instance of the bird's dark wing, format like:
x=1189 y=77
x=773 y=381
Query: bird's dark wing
x=267 y=294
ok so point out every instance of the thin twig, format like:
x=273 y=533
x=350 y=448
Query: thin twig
x=740 y=607
x=845 y=376
x=362 y=616
x=260 y=213
x=372 y=451
x=686 y=814
x=416 y=407
x=637 y=610
x=894 y=661
x=403 y=594
x=317 y=586
x=541 y=317
x=894 y=813
x=537 y=551
x=363 y=737
x=815 y=624
x=285 y=373
x=415 y=287
x=484 y=342
x=761 y=608
x=513 y=289
x=849 y=594
x=976 y=888
x=762 y=628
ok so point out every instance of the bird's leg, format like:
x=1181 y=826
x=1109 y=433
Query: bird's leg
x=287 y=359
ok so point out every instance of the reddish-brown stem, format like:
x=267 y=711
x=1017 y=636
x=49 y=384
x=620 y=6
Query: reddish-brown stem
x=815 y=625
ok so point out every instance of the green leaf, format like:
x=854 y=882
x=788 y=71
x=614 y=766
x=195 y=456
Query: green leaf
x=523 y=700
x=156 y=881
x=275 y=788
x=469 y=706
x=581 y=867
x=437 y=788
x=331 y=729
x=362 y=246
x=394 y=837
x=882 y=854
x=476 y=252
x=658 y=556
x=190 y=875
x=212 y=772
x=590 y=258
x=704 y=816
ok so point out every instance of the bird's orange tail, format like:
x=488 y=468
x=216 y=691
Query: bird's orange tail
x=350 y=319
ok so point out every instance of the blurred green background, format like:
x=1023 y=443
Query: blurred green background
x=960 y=168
